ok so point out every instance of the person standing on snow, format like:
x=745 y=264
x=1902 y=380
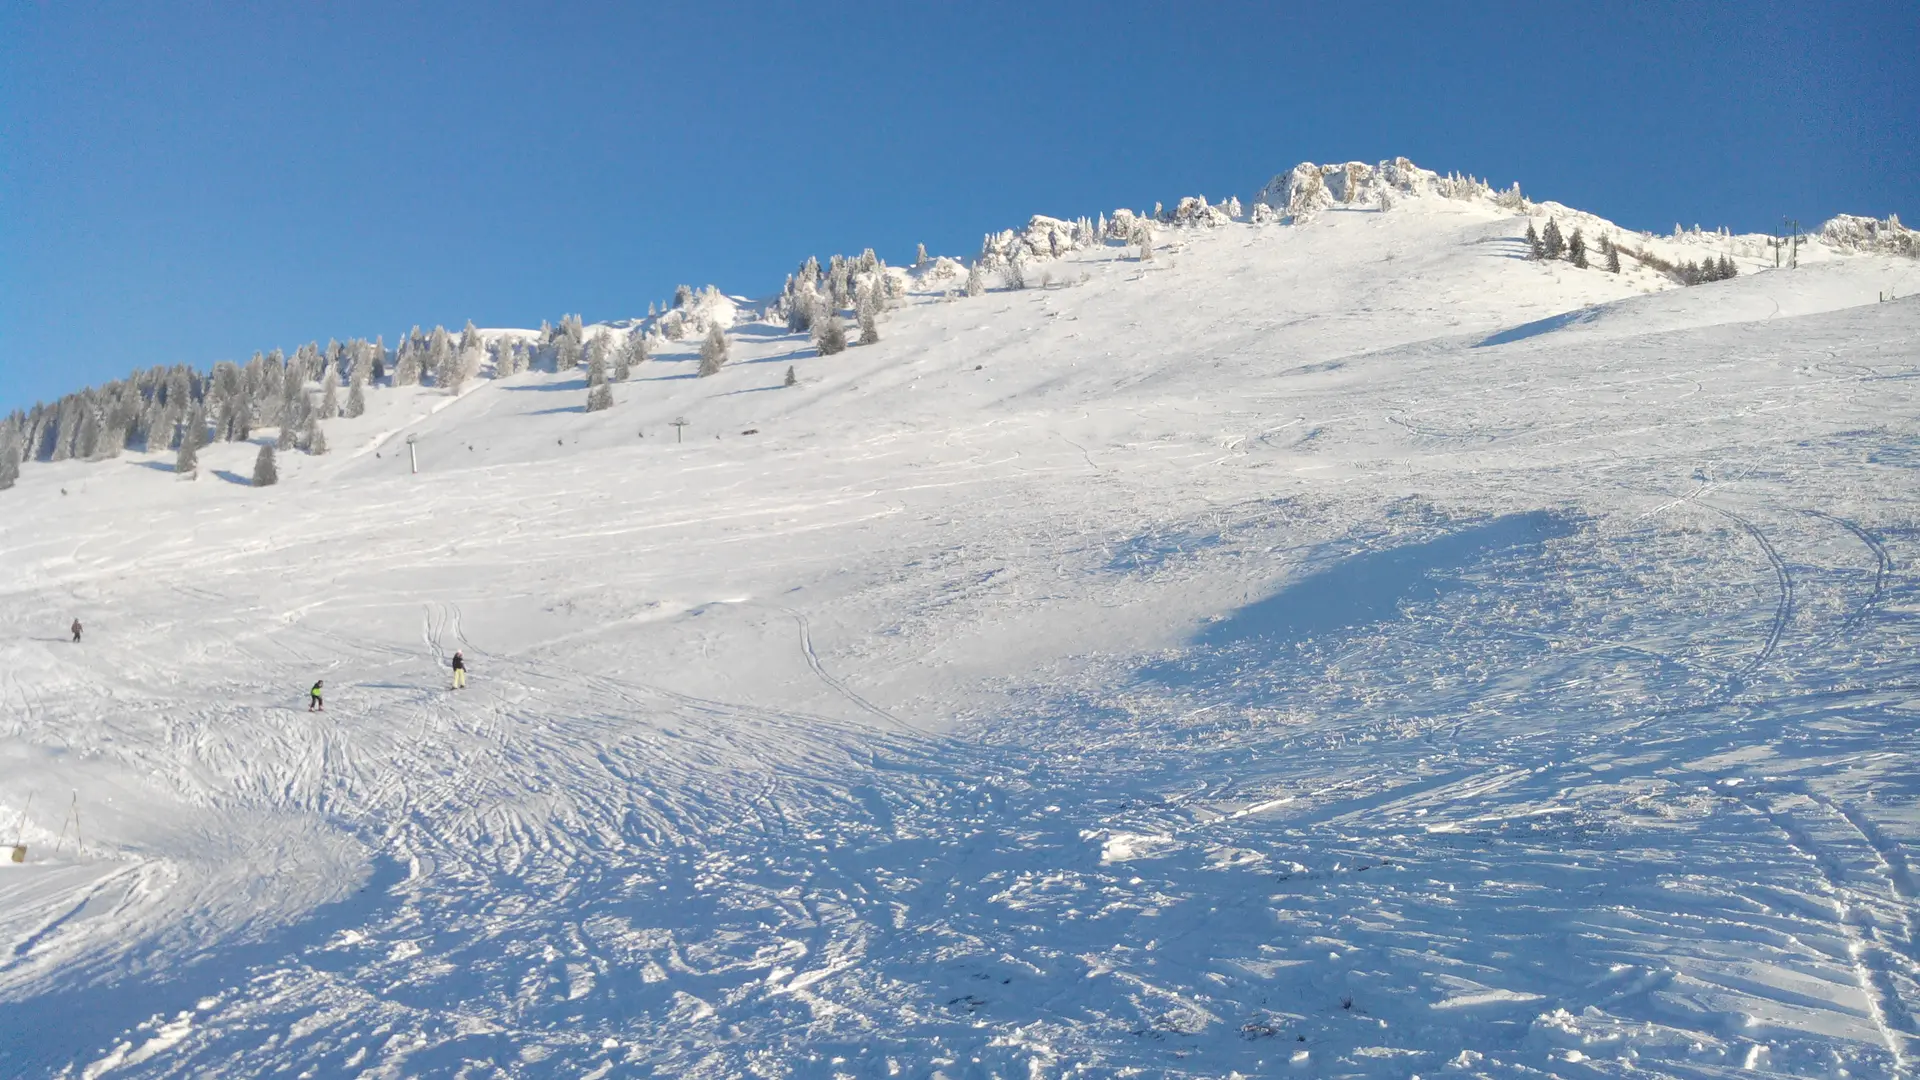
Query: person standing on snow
x=76 y=631
x=459 y=671
x=314 y=704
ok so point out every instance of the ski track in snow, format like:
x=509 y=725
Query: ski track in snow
x=1287 y=685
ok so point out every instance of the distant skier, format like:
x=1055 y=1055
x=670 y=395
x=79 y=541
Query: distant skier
x=459 y=671
x=76 y=631
x=314 y=704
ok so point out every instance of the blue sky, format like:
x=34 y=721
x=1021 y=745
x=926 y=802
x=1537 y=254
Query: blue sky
x=192 y=182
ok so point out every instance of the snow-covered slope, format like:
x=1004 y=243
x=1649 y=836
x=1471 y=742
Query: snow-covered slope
x=1339 y=648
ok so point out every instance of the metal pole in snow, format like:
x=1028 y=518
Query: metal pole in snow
x=413 y=455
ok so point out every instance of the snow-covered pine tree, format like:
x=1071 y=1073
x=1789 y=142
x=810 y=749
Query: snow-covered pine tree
x=379 y=369
x=10 y=452
x=1386 y=200
x=187 y=461
x=599 y=393
x=791 y=380
x=920 y=256
x=1551 y=242
x=1534 y=250
x=869 y=328
x=566 y=353
x=1144 y=237
x=829 y=335
x=1613 y=259
x=1727 y=269
x=713 y=351
x=1017 y=267
x=600 y=350
x=265 y=472
x=316 y=437
x=1577 y=249
x=357 y=397
x=976 y=281
x=329 y=394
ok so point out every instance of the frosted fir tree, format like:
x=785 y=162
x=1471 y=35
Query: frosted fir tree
x=829 y=336
x=976 y=279
x=1613 y=259
x=1577 y=250
x=186 y=462
x=1386 y=200
x=920 y=256
x=566 y=353
x=10 y=453
x=329 y=395
x=713 y=351
x=1017 y=267
x=316 y=438
x=1534 y=250
x=1552 y=244
x=265 y=472
x=791 y=380
x=599 y=393
x=357 y=390
x=1144 y=237
x=1728 y=271
x=869 y=328
x=631 y=354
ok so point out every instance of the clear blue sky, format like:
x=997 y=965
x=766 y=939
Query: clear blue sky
x=191 y=182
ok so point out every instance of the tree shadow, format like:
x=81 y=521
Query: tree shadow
x=549 y=388
x=232 y=477
x=1357 y=591
x=156 y=466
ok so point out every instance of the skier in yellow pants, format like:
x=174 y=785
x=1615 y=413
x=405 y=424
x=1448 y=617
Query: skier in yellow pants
x=459 y=671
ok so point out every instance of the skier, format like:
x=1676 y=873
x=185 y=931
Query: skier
x=459 y=671
x=314 y=704
x=76 y=631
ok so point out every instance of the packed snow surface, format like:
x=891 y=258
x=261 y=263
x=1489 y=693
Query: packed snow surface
x=1337 y=649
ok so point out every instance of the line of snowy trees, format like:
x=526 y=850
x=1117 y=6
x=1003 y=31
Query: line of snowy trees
x=162 y=409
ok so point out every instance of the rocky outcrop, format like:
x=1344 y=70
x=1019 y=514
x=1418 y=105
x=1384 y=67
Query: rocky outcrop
x=1851 y=232
x=1308 y=188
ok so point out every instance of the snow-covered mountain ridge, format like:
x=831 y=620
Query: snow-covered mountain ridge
x=1341 y=647
x=101 y=422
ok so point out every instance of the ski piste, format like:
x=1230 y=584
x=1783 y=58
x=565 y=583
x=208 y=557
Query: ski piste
x=1344 y=647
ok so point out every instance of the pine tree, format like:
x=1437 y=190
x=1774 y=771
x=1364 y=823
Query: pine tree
x=1728 y=271
x=1613 y=259
x=829 y=335
x=1552 y=244
x=329 y=395
x=1144 y=237
x=10 y=451
x=566 y=353
x=791 y=380
x=316 y=439
x=632 y=353
x=713 y=351
x=596 y=379
x=599 y=392
x=920 y=256
x=187 y=461
x=1534 y=250
x=869 y=328
x=600 y=349
x=265 y=474
x=976 y=281
x=1577 y=250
